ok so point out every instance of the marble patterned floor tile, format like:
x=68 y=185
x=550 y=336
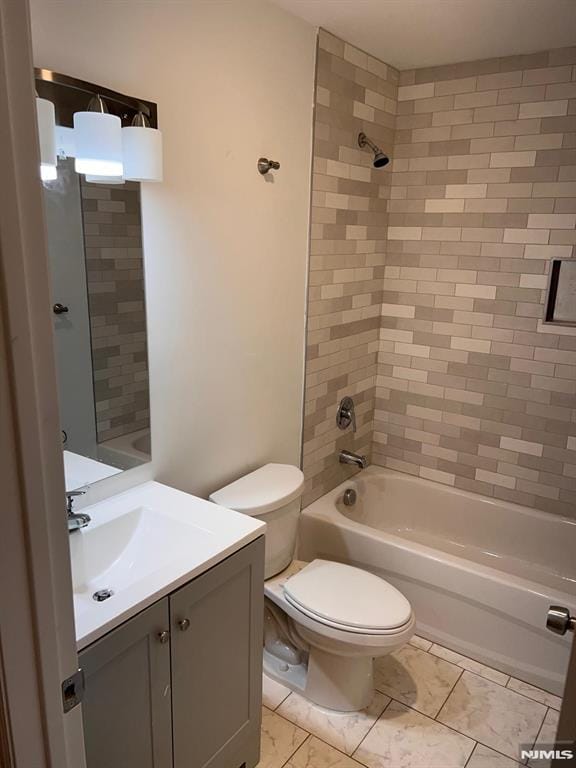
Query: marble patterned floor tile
x=469 y=664
x=484 y=757
x=416 y=678
x=549 y=699
x=403 y=738
x=546 y=737
x=273 y=693
x=492 y=714
x=316 y=754
x=420 y=642
x=343 y=730
x=280 y=739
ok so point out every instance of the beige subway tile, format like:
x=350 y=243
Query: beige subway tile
x=472 y=131
x=436 y=133
x=397 y=310
x=521 y=446
x=482 y=234
x=428 y=163
x=486 y=205
x=409 y=374
x=453 y=302
x=533 y=281
x=555 y=189
x=527 y=236
x=512 y=159
x=489 y=176
x=510 y=190
x=363 y=111
x=517 y=127
x=465 y=190
x=547 y=75
x=500 y=80
x=415 y=350
x=493 y=144
x=455 y=276
x=461 y=85
x=452 y=117
x=410 y=92
x=441 y=233
x=547 y=251
x=492 y=114
x=444 y=206
x=552 y=220
x=476 y=291
x=437 y=476
x=541 y=141
x=495 y=478
x=434 y=104
x=470 y=345
x=561 y=91
x=543 y=109
x=522 y=95
x=477 y=99
x=404 y=233
x=468 y=161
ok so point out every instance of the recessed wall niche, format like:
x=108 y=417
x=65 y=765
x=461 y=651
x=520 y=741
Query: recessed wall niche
x=561 y=300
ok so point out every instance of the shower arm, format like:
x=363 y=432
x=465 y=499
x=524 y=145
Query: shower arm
x=365 y=141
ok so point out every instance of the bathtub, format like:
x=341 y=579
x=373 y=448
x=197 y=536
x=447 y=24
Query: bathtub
x=480 y=573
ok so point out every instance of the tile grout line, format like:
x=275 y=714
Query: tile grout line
x=370 y=729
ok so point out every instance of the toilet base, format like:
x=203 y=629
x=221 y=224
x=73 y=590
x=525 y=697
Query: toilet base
x=341 y=683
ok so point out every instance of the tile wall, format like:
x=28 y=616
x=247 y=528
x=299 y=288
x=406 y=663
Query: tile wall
x=447 y=252
x=472 y=389
x=354 y=92
x=115 y=276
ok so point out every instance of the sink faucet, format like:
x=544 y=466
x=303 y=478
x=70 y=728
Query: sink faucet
x=75 y=521
x=347 y=457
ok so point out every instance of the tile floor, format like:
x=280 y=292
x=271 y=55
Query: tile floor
x=433 y=708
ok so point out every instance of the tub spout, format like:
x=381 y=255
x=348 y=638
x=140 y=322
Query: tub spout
x=347 y=457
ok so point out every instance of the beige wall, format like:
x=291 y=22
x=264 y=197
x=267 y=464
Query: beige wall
x=354 y=92
x=473 y=390
x=225 y=249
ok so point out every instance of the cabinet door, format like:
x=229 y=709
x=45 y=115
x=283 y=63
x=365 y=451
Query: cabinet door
x=217 y=664
x=127 y=704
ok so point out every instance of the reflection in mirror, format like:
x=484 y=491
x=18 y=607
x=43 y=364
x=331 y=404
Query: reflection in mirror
x=95 y=253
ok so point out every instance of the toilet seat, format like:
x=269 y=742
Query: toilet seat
x=347 y=599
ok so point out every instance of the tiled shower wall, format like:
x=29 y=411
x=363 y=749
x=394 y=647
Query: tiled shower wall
x=354 y=92
x=115 y=277
x=473 y=390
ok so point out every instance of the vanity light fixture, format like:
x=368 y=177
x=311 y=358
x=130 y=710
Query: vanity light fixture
x=98 y=137
x=46 y=118
x=105 y=179
x=142 y=150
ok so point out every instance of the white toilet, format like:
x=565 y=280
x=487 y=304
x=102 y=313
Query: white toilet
x=325 y=621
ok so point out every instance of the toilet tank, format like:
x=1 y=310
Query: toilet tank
x=272 y=494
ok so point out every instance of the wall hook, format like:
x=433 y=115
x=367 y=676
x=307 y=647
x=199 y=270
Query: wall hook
x=265 y=165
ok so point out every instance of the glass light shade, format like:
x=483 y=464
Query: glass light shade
x=142 y=150
x=105 y=179
x=98 y=138
x=46 y=117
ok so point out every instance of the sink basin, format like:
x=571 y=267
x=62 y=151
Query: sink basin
x=143 y=544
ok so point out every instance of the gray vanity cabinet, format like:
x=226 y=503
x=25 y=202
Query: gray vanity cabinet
x=180 y=684
x=217 y=664
x=127 y=708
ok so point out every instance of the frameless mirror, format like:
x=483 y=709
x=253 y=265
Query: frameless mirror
x=99 y=316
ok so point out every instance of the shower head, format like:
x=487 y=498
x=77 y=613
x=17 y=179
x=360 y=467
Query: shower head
x=380 y=159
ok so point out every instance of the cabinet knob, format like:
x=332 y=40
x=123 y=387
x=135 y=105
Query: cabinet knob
x=164 y=636
x=184 y=624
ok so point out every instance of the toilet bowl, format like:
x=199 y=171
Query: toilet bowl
x=325 y=622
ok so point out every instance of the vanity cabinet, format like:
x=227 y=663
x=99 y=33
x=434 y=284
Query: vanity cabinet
x=180 y=684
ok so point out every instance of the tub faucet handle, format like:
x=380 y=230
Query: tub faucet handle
x=346 y=414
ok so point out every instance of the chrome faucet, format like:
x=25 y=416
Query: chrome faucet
x=347 y=457
x=75 y=520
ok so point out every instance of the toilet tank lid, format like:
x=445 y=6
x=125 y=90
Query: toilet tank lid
x=264 y=490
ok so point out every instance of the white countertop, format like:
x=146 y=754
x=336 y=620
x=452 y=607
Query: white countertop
x=143 y=544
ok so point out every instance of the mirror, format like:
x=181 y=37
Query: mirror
x=97 y=272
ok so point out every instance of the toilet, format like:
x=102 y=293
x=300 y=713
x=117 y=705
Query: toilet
x=325 y=622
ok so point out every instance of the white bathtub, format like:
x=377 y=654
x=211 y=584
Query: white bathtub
x=480 y=573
